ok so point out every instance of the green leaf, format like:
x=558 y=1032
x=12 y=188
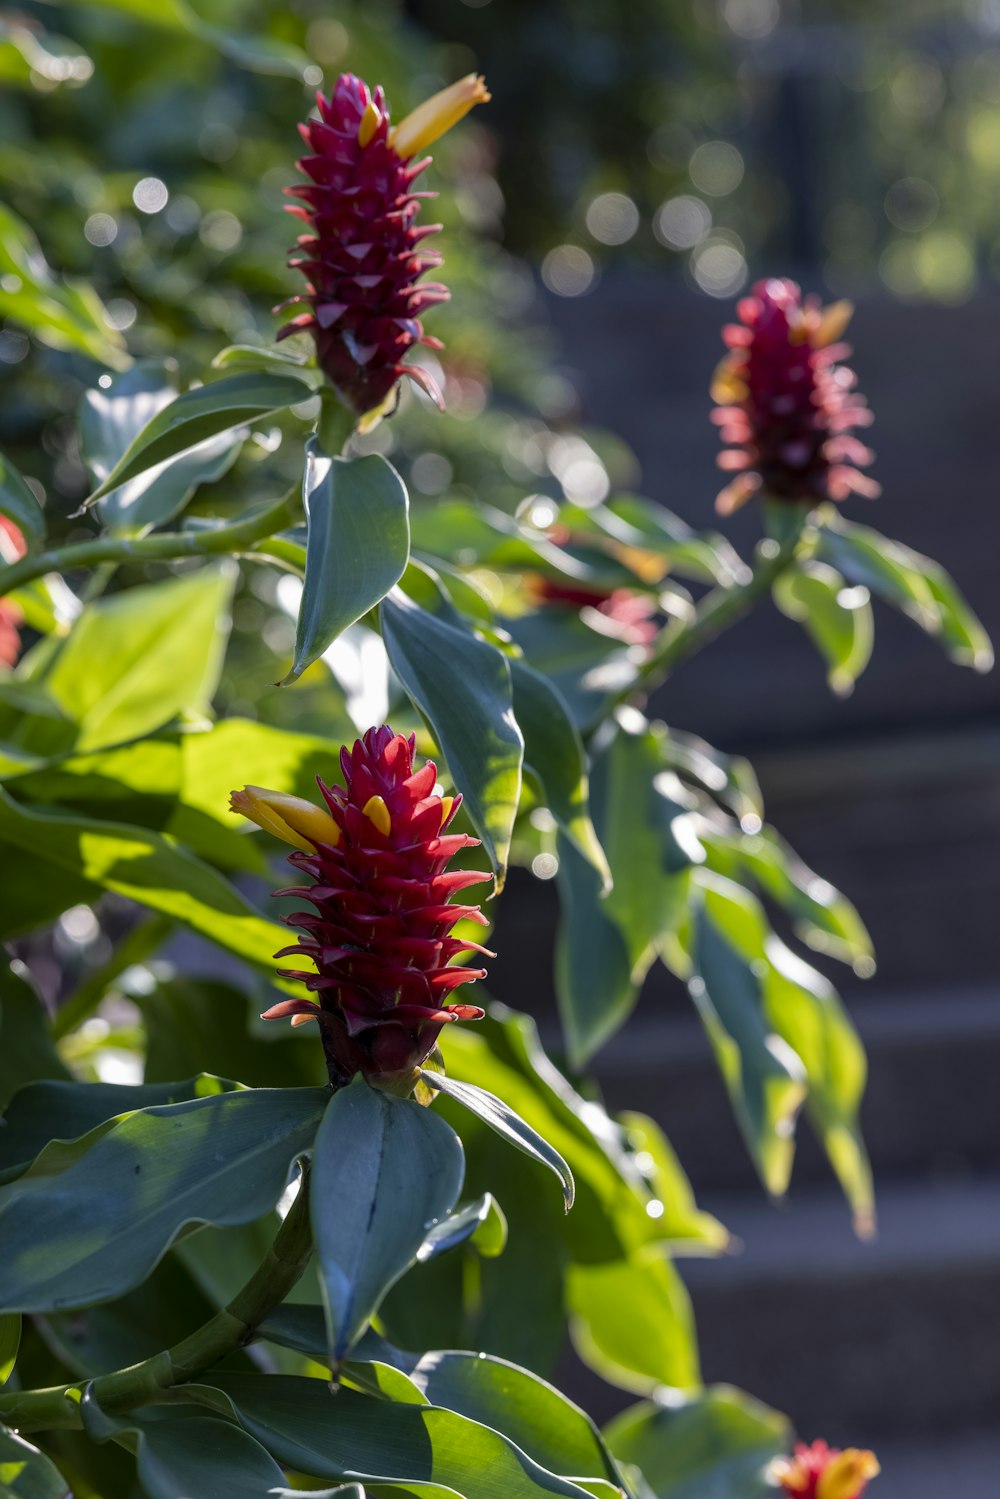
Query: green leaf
x=60 y=313
x=89 y=1220
x=348 y=1435
x=462 y=687
x=594 y=984
x=384 y=1171
x=631 y=1320
x=764 y=1077
x=553 y=752
x=136 y=660
x=19 y=505
x=718 y=1442
x=505 y=1122
x=112 y=418
x=26 y=1473
x=480 y=1223
x=917 y=585
x=685 y=1227
x=56 y=1110
x=148 y=868
x=838 y=619
x=705 y=557
x=26 y=1049
x=10 y=1341
x=201 y=414
x=357 y=549
x=729 y=779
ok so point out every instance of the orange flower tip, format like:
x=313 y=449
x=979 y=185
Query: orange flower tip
x=377 y=813
x=430 y=120
x=447 y=802
x=832 y=324
x=290 y=818
x=847 y=1473
x=369 y=123
x=303 y=1019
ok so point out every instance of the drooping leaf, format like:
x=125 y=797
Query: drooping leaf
x=480 y=1222
x=509 y=1125
x=18 y=504
x=145 y=867
x=553 y=751
x=26 y=1473
x=385 y=1170
x=716 y=1442
x=462 y=687
x=348 y=1435
x=837 y=618
x=112 y=418
x=200 y=415
x=89 y=1220
x=357 y=549
x=686 y=1228
x=631 y=1320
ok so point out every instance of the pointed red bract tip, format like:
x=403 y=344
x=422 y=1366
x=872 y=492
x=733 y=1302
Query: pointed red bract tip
x=787 y=409
x=380 y=938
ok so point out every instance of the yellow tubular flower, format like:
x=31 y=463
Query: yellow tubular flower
x=846 y=1474
x=425 y=124
x=291 y=818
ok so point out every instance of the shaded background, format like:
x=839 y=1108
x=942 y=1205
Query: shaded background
x=641 y=163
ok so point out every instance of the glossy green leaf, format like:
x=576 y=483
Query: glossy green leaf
x=588 y=667
x=553 y=752
x=505 y=1122
x=729 y=779
x=718 y=1442
x=593 y=972
x=384 y=1171
x=917 y=585
x=347 y=1435
x=480 y=1223
x=472 y=534
x=631 y=1320
x=357 y=549
x=269 y=358
x=26 y=1049
x=199 y=415
x=686 y=1228
x=112 y=418
x=147 y=868
x=18 y=504
x=462 y=687
x=26 y=1473
x=10 y=1341
x=136 y=660
x=90 y=1220
x=838 y=619
x=59 y=312
x=65 y=1110
x=765 y=1079
x=705 y=557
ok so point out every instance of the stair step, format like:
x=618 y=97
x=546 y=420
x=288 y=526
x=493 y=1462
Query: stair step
x=967 y=1467
x=891 y=1336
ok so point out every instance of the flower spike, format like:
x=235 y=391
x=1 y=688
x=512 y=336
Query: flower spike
x=786 y=407
x=379 y=935
x=362 y=255
x=822 y=1472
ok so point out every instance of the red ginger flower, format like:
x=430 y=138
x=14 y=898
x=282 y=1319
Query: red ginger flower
x=382 y=893
x=11 y=548
x=786 y=406
x=822 y=1472
x=362 y=258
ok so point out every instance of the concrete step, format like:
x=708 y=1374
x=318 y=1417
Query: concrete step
x=966 y=1467
x=932 y=1109
x=860 y=1340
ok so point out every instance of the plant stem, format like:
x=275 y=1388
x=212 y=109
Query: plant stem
x=165 y=546
x=228 y=1330
x=715 y=613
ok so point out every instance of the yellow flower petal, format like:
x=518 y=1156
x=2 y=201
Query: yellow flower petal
x=847 y=1473
x=437 y=114
x=369 y=123
x=290 y=818
x=377 y=813
x=832 y=325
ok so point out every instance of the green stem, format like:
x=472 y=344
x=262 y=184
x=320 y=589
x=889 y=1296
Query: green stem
x=228 y=1330
x=715 y=613
x=242 y=535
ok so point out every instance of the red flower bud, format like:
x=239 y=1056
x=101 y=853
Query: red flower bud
x=362 y=256
x=380 y=936
x=786 y=407
x=630 y=615
x=822 y=1472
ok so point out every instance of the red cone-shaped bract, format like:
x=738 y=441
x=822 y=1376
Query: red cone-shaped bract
x=380 y=938
x=787 y=408
x=11 y=548
x=822 y=1472
x=361 y=257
